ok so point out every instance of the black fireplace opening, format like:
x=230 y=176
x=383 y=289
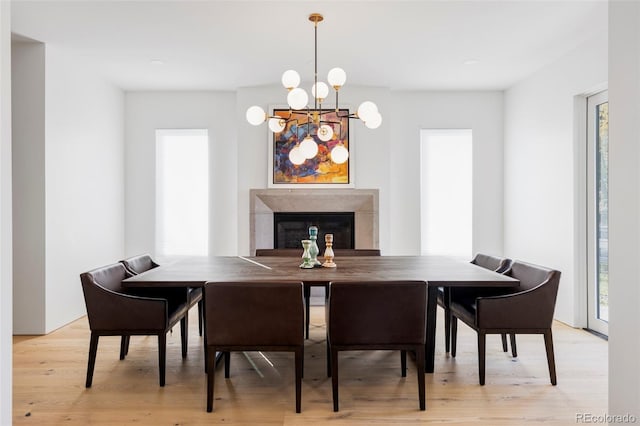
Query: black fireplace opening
x=290 y=228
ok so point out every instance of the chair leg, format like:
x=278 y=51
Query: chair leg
x=447 y=329
x=227 y=364
x=548 y=343
x=211 y=371
x=123 y=346
x=299 y=354
x=126 y=349
x=206 y=356
x=205 y=344
x=505 y=348
x=307 y=307
x=454 y=335
x=514 y=351
x=334 y=377
x=447 y=319
x=184 y=334
x=328 y=358
x=200 y=316
x=403 y=363
x=482 y=343
x=420 y=368
x=93 y=349
x=162 y=356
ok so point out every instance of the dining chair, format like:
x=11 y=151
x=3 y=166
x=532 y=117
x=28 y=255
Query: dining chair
x=290 y=252
x=527 y=310
x=253 y=316
x=138 y=264
x=377 y=315
x=113 y=311
x=493 y=263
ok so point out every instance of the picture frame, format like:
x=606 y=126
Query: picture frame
x=317 y=172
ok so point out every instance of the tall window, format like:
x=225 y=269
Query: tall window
x=598 y=212
x=446 y=192
x=182 y=192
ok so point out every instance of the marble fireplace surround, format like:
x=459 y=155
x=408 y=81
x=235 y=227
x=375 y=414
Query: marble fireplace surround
x=264 y=202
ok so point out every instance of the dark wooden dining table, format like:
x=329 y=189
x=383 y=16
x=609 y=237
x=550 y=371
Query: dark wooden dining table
x=437 y=271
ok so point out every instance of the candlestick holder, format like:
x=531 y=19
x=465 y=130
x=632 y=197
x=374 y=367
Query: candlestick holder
x=314 y=251
x=306 y=255
x=328 y=252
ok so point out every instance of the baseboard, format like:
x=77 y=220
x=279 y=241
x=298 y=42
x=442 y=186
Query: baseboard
x=596 y=333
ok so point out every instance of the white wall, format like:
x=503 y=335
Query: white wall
x=385 y=158
x=369 y=150
x=6 y=281
x=84 y=180
x=147 y=111
x=413 y=111
x=624 y=208
x=541 y=161
x=28 y=151
x=82 y=204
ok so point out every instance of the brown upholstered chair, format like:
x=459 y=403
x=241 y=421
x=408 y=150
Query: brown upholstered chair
x=112 y=311
x=289 y=252
x=527 y=310
x=252 y=316
x=138 y=264
x=384 y=315
x=493 y=263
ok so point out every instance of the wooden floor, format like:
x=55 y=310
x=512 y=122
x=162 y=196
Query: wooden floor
x=49 y=375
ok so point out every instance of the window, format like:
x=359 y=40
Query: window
x=598 y=212
x=182 y=193
x=446 y=192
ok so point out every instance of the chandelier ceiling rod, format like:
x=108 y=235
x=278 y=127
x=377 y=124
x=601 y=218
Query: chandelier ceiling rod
x=315 y=18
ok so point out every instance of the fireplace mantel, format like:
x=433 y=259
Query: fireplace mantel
x=264 y=202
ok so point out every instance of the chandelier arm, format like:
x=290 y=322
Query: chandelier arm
x=330 y=122
x=286 y=120
x=347 y=115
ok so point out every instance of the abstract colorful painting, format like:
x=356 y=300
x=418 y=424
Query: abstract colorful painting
x=319 y=170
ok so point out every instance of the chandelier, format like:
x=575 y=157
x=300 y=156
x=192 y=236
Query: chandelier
x=318 y=124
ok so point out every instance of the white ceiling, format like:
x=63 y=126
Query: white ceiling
x=223 y=45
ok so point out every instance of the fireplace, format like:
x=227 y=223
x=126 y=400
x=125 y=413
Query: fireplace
x=291 y=227
x=265 y=203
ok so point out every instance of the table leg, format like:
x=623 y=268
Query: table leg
x=430 y=345
x=307 y=308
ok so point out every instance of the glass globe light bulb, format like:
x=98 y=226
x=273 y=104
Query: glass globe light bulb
x=308 y=147
x=295 y=155
x=276 y=124
x=320 y=90
x=374 y=121
x=337 y=77
x=325 y=133
x=339 y=154
x=297 y=98
x=290 y=79
x=366 y=110
x=256 y=115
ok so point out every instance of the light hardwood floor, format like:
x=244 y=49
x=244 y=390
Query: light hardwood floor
x=49 y=375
